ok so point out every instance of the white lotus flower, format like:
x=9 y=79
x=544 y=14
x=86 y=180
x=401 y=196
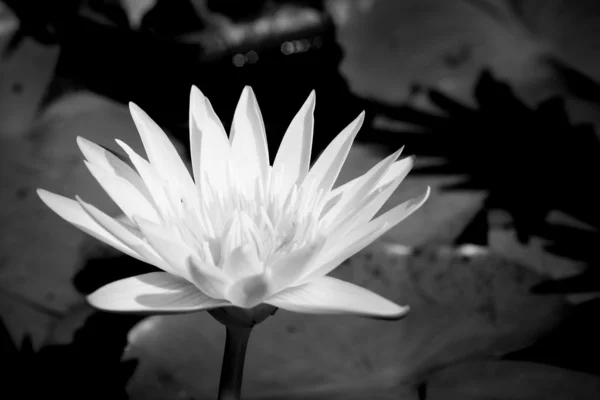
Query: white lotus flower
x=241 y=232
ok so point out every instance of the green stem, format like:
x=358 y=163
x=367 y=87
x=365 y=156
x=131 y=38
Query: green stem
x=232 y=369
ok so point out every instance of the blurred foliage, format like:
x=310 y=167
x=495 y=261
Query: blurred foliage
x=576 y=82
x=529 y=162
x=514 y=153
x=43 y=21
x=91 y=366
x=510 y=380
x=577 y=244
x=573 y=345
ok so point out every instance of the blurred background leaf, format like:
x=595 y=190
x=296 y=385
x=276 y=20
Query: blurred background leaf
x=515 y=154
x=510 y=380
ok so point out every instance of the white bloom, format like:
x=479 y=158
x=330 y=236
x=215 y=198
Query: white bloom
x=241 y=232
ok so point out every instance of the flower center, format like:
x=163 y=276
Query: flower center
x=261 y=218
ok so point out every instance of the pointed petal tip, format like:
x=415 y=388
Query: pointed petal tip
x=401 y=312
x=311 y=100
x=418 y=201
x=81 y=141
x=358 y=122
x=95 y=301
x=249 y=97
x=44 y=195
x=247 y=93
x=134 y=108
x=87 y=147
x=427 y=193
x=196 y=95
x=52 y=200
x=410 y=163
x=126 y=148
x=397 y=153
x=328 y=295
x=90 y=209
x=138 y=113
